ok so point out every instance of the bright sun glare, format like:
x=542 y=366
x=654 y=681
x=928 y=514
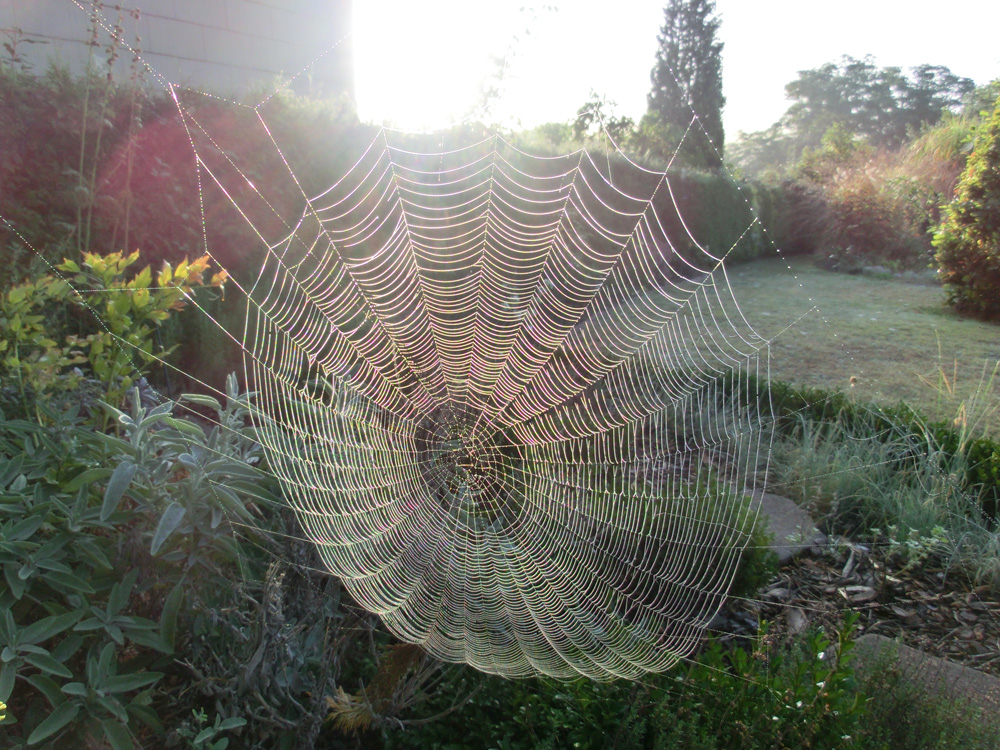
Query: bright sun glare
x=422 y=65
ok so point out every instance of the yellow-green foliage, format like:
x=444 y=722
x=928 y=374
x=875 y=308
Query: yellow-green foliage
x=118 y=321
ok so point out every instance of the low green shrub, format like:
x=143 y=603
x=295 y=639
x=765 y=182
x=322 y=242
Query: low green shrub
x=143 y=604
x=802 y=696
x=103 y=537
x=889 y=475
x=922 y=445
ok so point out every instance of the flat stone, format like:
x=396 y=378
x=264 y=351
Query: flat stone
x=933 y=673
x=795 y=620
x=792 y=528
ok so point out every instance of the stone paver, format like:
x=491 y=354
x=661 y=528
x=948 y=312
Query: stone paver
x=793 y=529
x=937 y=675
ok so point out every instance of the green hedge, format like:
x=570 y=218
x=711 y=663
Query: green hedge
x=718 y=212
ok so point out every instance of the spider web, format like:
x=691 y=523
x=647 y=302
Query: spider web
x=506 y=394
x=499 y=390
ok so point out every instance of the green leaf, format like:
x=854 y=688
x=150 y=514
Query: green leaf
x=75 y=688
x=47 y=687
x=117 y=445
x=10 y=469
x=116 y=634
x=150 y=640
x=118 y=735
x=7 y=674
x=201 y=400
x=168 y=617
x=121 y=591
x=68 y=645
x=232 y=723
x=229 y=500
x=124 y=683
x=151 y=420
x=230 y=467
x=252 y=489
x=120 y=479
x=205 y=734
x=88 y=476
x=16 y=294
x=113 y=707
x=47 y=664
x=94 y=553
x=147 y=716
x=169 y=522
x=189 y=428
x=25 y=529
x=59 y=718
x=17 y=585
x=48 y=627
x=68 y=582
x=91 y=623
x=102 y=667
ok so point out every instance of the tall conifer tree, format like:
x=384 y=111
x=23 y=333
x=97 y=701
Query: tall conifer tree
x=688 y=75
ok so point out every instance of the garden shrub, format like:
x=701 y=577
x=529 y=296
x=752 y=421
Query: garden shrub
x=103 y=538
x=968 y=241
x=867 y=222
x=94 y=164
x=89 y=314
x=913 y=716
x=865 y=206
x=132 y=612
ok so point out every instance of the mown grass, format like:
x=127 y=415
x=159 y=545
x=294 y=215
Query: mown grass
x=898 y=341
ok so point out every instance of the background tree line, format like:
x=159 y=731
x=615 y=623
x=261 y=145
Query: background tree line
x=863 y=168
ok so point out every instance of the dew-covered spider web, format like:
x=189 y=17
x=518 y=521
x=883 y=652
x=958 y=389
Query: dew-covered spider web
x=510 y=396
x=506 y=396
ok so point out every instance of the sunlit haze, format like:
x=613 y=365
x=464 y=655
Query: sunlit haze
x=422 y=65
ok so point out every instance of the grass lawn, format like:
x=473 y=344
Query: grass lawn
x=889 y=335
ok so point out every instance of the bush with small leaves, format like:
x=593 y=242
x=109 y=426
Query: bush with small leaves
x=968 y=240
x=802 y=695
x=109 y=325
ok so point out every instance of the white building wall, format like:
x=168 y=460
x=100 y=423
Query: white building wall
x=224 y=46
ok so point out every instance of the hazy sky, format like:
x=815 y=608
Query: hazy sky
x=420 y=64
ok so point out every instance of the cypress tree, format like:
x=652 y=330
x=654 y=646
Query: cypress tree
x=688 y=76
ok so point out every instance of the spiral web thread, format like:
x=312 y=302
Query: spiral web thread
x=497 y=390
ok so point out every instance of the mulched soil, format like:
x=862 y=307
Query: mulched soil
x=923 y=606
